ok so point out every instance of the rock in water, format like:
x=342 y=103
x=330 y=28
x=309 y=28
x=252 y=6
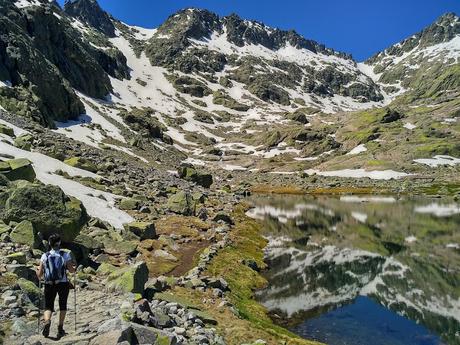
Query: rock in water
x=48 y=209
x=18 y=169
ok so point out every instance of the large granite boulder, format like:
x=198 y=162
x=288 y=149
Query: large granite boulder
x=47 y=208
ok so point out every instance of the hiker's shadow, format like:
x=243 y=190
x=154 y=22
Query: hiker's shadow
x=54 y=338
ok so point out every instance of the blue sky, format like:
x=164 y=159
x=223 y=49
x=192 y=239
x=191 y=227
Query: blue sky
x=359 y=27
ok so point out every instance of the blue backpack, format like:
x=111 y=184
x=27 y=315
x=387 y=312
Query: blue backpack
x=55 y=267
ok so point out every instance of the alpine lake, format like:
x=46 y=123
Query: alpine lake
x=359 y=270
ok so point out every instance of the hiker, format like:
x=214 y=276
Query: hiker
x=53 y=265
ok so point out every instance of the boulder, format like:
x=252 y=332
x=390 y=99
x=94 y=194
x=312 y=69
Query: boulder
x=4 y=228
x=88 y=242
x=189 y=173
x=391 y=116
x=182 y=203
x=32 y=291
x=143 y=230
x=19 y=257
x=22 y=271
x=24 y=142
x=149 y=335
x=48 y=209
x=205 y=317
x=113 y=247
x=129 y=204
x=24 y=233
x=81 y=163
x=4 y=129
x=130 y=279
x=106 y=269
x=18 y=169
x=115 y=336
x=160 y=320
x=218 y=283
x=223 y=217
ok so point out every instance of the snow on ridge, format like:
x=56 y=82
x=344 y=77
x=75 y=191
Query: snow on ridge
x=93 y=200
x=26 y=3
x=360 y=173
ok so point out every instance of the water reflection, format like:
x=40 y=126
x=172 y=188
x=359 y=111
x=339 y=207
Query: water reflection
x=326 y=252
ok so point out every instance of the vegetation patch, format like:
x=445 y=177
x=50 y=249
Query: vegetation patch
x=247 y=244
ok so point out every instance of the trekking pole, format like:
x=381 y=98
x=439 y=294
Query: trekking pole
x=75 y=300
x=39 y=305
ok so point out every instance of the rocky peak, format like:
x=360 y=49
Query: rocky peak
x=444 y=29
x=241 y=32
x=191 y=23
x=200 y=24
x=89 y=12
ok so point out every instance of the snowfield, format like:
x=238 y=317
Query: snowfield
x=93 y=200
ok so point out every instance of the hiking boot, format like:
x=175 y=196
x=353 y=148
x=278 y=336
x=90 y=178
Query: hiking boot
x=46 y=330
x=61 y=332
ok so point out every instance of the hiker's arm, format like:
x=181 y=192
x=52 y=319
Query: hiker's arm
x=40 y=271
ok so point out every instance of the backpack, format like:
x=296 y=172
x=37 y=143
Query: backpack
x=55 y=267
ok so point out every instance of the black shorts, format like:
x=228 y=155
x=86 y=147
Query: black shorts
x=51 y=290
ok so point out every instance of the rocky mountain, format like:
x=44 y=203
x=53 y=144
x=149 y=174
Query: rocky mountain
x=139 y=145
x=425 y=64
x=90 y=13
x=200 y=86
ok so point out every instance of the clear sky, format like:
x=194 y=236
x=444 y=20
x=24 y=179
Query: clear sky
x=359 y=27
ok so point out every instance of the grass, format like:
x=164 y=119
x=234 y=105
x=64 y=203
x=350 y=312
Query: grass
x=293 y=190
x=253 y=322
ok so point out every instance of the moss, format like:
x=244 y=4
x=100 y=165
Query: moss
x=247 y=244
x=8 y=279
x=106 y=268
x=81 y=163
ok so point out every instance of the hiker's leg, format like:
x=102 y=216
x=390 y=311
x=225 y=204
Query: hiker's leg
x=63 y=291
x=47 y=316
x=50 y=296
x=62 y=315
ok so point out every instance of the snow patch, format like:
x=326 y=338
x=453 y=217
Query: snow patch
x=357 y=150
x=93 y=200
x=360 y=173
x=438 y=160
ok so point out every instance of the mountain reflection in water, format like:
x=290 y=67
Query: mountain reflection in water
x=326 y=252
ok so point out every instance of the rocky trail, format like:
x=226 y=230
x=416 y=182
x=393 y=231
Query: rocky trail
x=94 y=307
